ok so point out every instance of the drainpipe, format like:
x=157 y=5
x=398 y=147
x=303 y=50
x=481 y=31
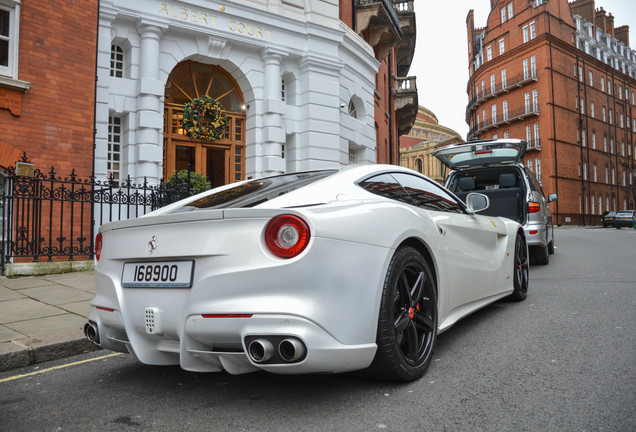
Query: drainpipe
x=390 y=66
x=92 y=228
x=554 y=134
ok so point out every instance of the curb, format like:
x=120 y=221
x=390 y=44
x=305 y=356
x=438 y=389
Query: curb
x=24 y=352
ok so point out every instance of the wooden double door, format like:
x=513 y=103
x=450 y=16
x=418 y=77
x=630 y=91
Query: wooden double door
x=222 y=161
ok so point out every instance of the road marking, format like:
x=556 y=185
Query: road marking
x=15 y=377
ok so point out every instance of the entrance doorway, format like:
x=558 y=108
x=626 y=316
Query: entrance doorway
x=222 y=161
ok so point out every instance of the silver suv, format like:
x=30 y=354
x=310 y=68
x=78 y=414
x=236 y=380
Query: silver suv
x=495 y=168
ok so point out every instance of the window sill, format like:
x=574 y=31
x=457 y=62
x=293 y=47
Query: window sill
x=14 y=84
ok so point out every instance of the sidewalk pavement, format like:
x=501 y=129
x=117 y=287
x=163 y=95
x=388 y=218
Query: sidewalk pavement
x=42 y=317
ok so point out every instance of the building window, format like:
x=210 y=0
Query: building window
x=529 y=135
x=537 y=142
x=492 y=83
x=114 y=148
x=605 y=143
x=501 y=47
x=594 y=173
x=488 y=53
x=606 y=177
x=483 y=113
x=493 y=109
x=530 y=164
x=524 y=29
x=352 y=109
x=604 y=114
x=116 y=61
x=353 y=155
x=533 y=31
x=538 y=169
x=9 y=24
x=506 y=134
x=510 y=14
x=594 y=140
x=603 y=84
x=526 y=98
x=504 y=16
x=526 y=70
x=282 y=89
x=533 y=66
x=535 y=100
x=592 y=109
x=591 y=78
x=418 y=166
x=581 y=73
x=584 y=170
x=611 y=117
x=504 y=79
x=483 y=88
x=582 y=106
x=505 y=110
x=612 y=145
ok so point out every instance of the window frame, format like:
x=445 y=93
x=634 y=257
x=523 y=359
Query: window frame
x=10 y=71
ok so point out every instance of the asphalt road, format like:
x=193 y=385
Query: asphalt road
x=563 y=360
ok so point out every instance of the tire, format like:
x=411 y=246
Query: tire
x=551 y=247
x=541 y=255
x=407 y=322
x=521 y=270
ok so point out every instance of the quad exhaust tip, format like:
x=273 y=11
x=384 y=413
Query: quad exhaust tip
x=261 y=350
x=276 y=349
x=91 y=332
x=291 y=349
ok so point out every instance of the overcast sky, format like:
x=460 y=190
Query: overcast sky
x=441 y=54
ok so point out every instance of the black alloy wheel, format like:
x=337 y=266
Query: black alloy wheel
x=521 y=272
x=407 y=325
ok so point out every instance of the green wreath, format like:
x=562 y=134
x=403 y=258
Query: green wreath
x=204 y=119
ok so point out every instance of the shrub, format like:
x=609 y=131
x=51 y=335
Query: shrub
x=198 y=182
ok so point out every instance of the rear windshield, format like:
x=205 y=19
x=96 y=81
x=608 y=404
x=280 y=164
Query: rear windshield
x=254 y=192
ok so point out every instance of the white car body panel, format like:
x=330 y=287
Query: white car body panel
x=328 y=296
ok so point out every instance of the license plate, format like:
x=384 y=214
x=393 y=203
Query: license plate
x=164 y=274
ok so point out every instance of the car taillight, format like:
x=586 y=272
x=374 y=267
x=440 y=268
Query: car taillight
x=533 y=207
x=287 y=236
x=98 y=245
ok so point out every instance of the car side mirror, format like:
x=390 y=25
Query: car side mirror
x=476 y=202
x=552 y=197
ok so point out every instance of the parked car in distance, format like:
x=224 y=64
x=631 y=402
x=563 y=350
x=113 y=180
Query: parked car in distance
x=495 y=168
x=608 y=218
x=624 y=219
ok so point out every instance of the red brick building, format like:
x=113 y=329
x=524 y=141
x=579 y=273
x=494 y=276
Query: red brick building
x=47 y=84
x=561 y=76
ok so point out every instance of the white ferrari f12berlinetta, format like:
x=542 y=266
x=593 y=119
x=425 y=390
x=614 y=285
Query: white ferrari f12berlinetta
x=312 y=272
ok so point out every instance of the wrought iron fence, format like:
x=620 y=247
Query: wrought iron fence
x=44 y=217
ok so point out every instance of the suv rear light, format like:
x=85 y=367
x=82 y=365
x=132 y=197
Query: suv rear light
x=533 y=207
x=287 y=236
x=98 y=246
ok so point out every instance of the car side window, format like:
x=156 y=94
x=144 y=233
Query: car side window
x=534 y=184
x=385 y=185
x=428 y=195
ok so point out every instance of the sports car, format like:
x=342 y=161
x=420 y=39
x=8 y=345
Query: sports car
x=325 y=271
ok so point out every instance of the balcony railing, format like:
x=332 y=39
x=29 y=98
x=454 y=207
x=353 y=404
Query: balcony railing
x=406 y=47
x=487 y=124
x=406 y=103
x=515 y=82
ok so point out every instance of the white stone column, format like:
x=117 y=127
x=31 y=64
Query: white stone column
x=273 y=110
x=149 y=128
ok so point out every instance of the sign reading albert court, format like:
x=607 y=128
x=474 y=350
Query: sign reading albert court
x=206 y=19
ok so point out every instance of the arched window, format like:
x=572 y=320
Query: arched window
x=418 y=166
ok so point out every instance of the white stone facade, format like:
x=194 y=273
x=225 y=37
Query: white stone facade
x=324 y=64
